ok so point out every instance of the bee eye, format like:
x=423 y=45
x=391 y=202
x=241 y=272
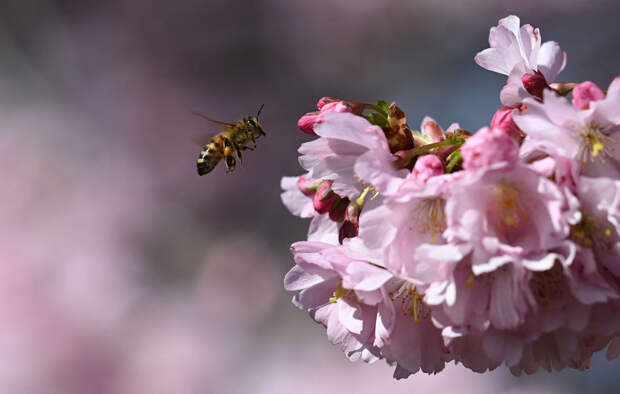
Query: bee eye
x=251 y=123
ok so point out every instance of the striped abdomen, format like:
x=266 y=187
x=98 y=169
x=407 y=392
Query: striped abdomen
x=209 y=157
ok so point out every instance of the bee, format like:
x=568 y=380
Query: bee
x=235 y=137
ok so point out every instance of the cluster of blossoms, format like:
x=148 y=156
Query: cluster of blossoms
x=497 y=247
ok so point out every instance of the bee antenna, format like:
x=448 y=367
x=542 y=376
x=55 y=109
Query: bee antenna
x=260 y=109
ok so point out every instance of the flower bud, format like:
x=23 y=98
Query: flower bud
x=327 y=105
x=488 y=146
x=502 y=119
x=433 y=131
x=325 y=198
x=306 y=123
x=425 y=167
x=535 y=83
x=336 y=213
x=586 y=92
x=308 y=188
x=350 y=226
x=325 y=100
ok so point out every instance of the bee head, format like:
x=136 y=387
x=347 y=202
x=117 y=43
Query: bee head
x=252 y=123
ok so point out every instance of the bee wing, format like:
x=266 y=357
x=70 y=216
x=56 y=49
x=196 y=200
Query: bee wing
x=202 y=140
x=217 y=122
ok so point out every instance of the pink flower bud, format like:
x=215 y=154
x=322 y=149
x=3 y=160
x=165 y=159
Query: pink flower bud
x=586 y=92
x=325 y=100
x=535 y=83
x=432 y=129
x=306 y=122
x=350 y=226
x=426 y=167
x=489 y=146
x=308 y=188
x=502 y=119
x=324 y=198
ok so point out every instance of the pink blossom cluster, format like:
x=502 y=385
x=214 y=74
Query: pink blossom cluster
x=498 y=247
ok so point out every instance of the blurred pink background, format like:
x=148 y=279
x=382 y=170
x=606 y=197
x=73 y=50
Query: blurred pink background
x=122 y=271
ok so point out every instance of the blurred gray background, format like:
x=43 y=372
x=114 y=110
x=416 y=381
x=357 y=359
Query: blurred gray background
x=100 y=192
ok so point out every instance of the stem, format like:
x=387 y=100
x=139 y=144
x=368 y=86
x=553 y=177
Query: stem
x=425 y=148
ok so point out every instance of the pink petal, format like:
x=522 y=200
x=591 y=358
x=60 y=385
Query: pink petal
x=346 y=316
x=323 y=229
x=298 y=279
x=551 y=60
x=494 y=60
x=365 y=277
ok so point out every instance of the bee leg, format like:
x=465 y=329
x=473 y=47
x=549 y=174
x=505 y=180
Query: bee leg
x=229 y=158
x=230 y=163
x=238 y=152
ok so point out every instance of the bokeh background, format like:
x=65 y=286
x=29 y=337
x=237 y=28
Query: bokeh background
x=122 y=271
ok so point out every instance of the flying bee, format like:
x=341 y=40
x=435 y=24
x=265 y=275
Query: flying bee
x=235 y=137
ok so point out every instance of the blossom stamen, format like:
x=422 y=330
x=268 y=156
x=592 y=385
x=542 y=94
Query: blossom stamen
x=590 y=234
x=342 y=293
x=593 y=142
x=510 y=212
x=412 y=303
x=430 y=218
x=370 y=187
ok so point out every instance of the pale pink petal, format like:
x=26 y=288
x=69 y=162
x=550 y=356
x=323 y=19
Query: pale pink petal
x=365 y=277
x=513 y=93
x=435 y=262
x=493 y=59
x=543 y=123
x=347 y=127
x=317 y=295
x=500 y=347
x=347 y=317
x=294 y=200
x=551 y=60
x=375 y=167
x=323 y=229
x=609 y=107
x=503 y=34
x=298 y=279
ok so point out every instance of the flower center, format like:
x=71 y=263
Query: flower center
x=507 y=208
x=411 y=302
x=366 y=185
x=430 y=218
x=591 y=233
x=593 y=143
x=345 y=294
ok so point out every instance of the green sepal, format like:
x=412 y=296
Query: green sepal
x=383 y=107
x=377 y=119
x=454 y=160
